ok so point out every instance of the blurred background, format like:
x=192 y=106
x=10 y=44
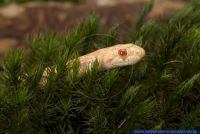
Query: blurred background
x=20 y=19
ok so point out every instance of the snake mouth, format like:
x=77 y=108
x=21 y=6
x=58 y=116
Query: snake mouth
x=122 y=63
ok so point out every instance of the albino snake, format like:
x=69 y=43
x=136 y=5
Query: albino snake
x=108 y=58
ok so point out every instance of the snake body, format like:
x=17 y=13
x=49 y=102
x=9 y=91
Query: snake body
x=108 y=58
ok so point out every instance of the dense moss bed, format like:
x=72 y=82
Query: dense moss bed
x=160 y=92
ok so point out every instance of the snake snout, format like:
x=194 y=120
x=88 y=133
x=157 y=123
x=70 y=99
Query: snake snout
x=141 y=53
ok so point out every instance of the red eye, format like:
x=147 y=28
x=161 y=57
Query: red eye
x=122 y=52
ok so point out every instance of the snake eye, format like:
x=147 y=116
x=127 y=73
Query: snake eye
x=122 y=52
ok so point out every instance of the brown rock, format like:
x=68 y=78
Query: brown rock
x=12 y=11
x=6 y=44
x=19 y=21
x=165 y=7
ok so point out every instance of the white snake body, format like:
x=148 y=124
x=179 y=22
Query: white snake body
x=110 y=57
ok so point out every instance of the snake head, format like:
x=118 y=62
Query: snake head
x=123 y=55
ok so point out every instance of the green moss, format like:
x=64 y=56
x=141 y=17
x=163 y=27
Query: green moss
x=160 y=92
